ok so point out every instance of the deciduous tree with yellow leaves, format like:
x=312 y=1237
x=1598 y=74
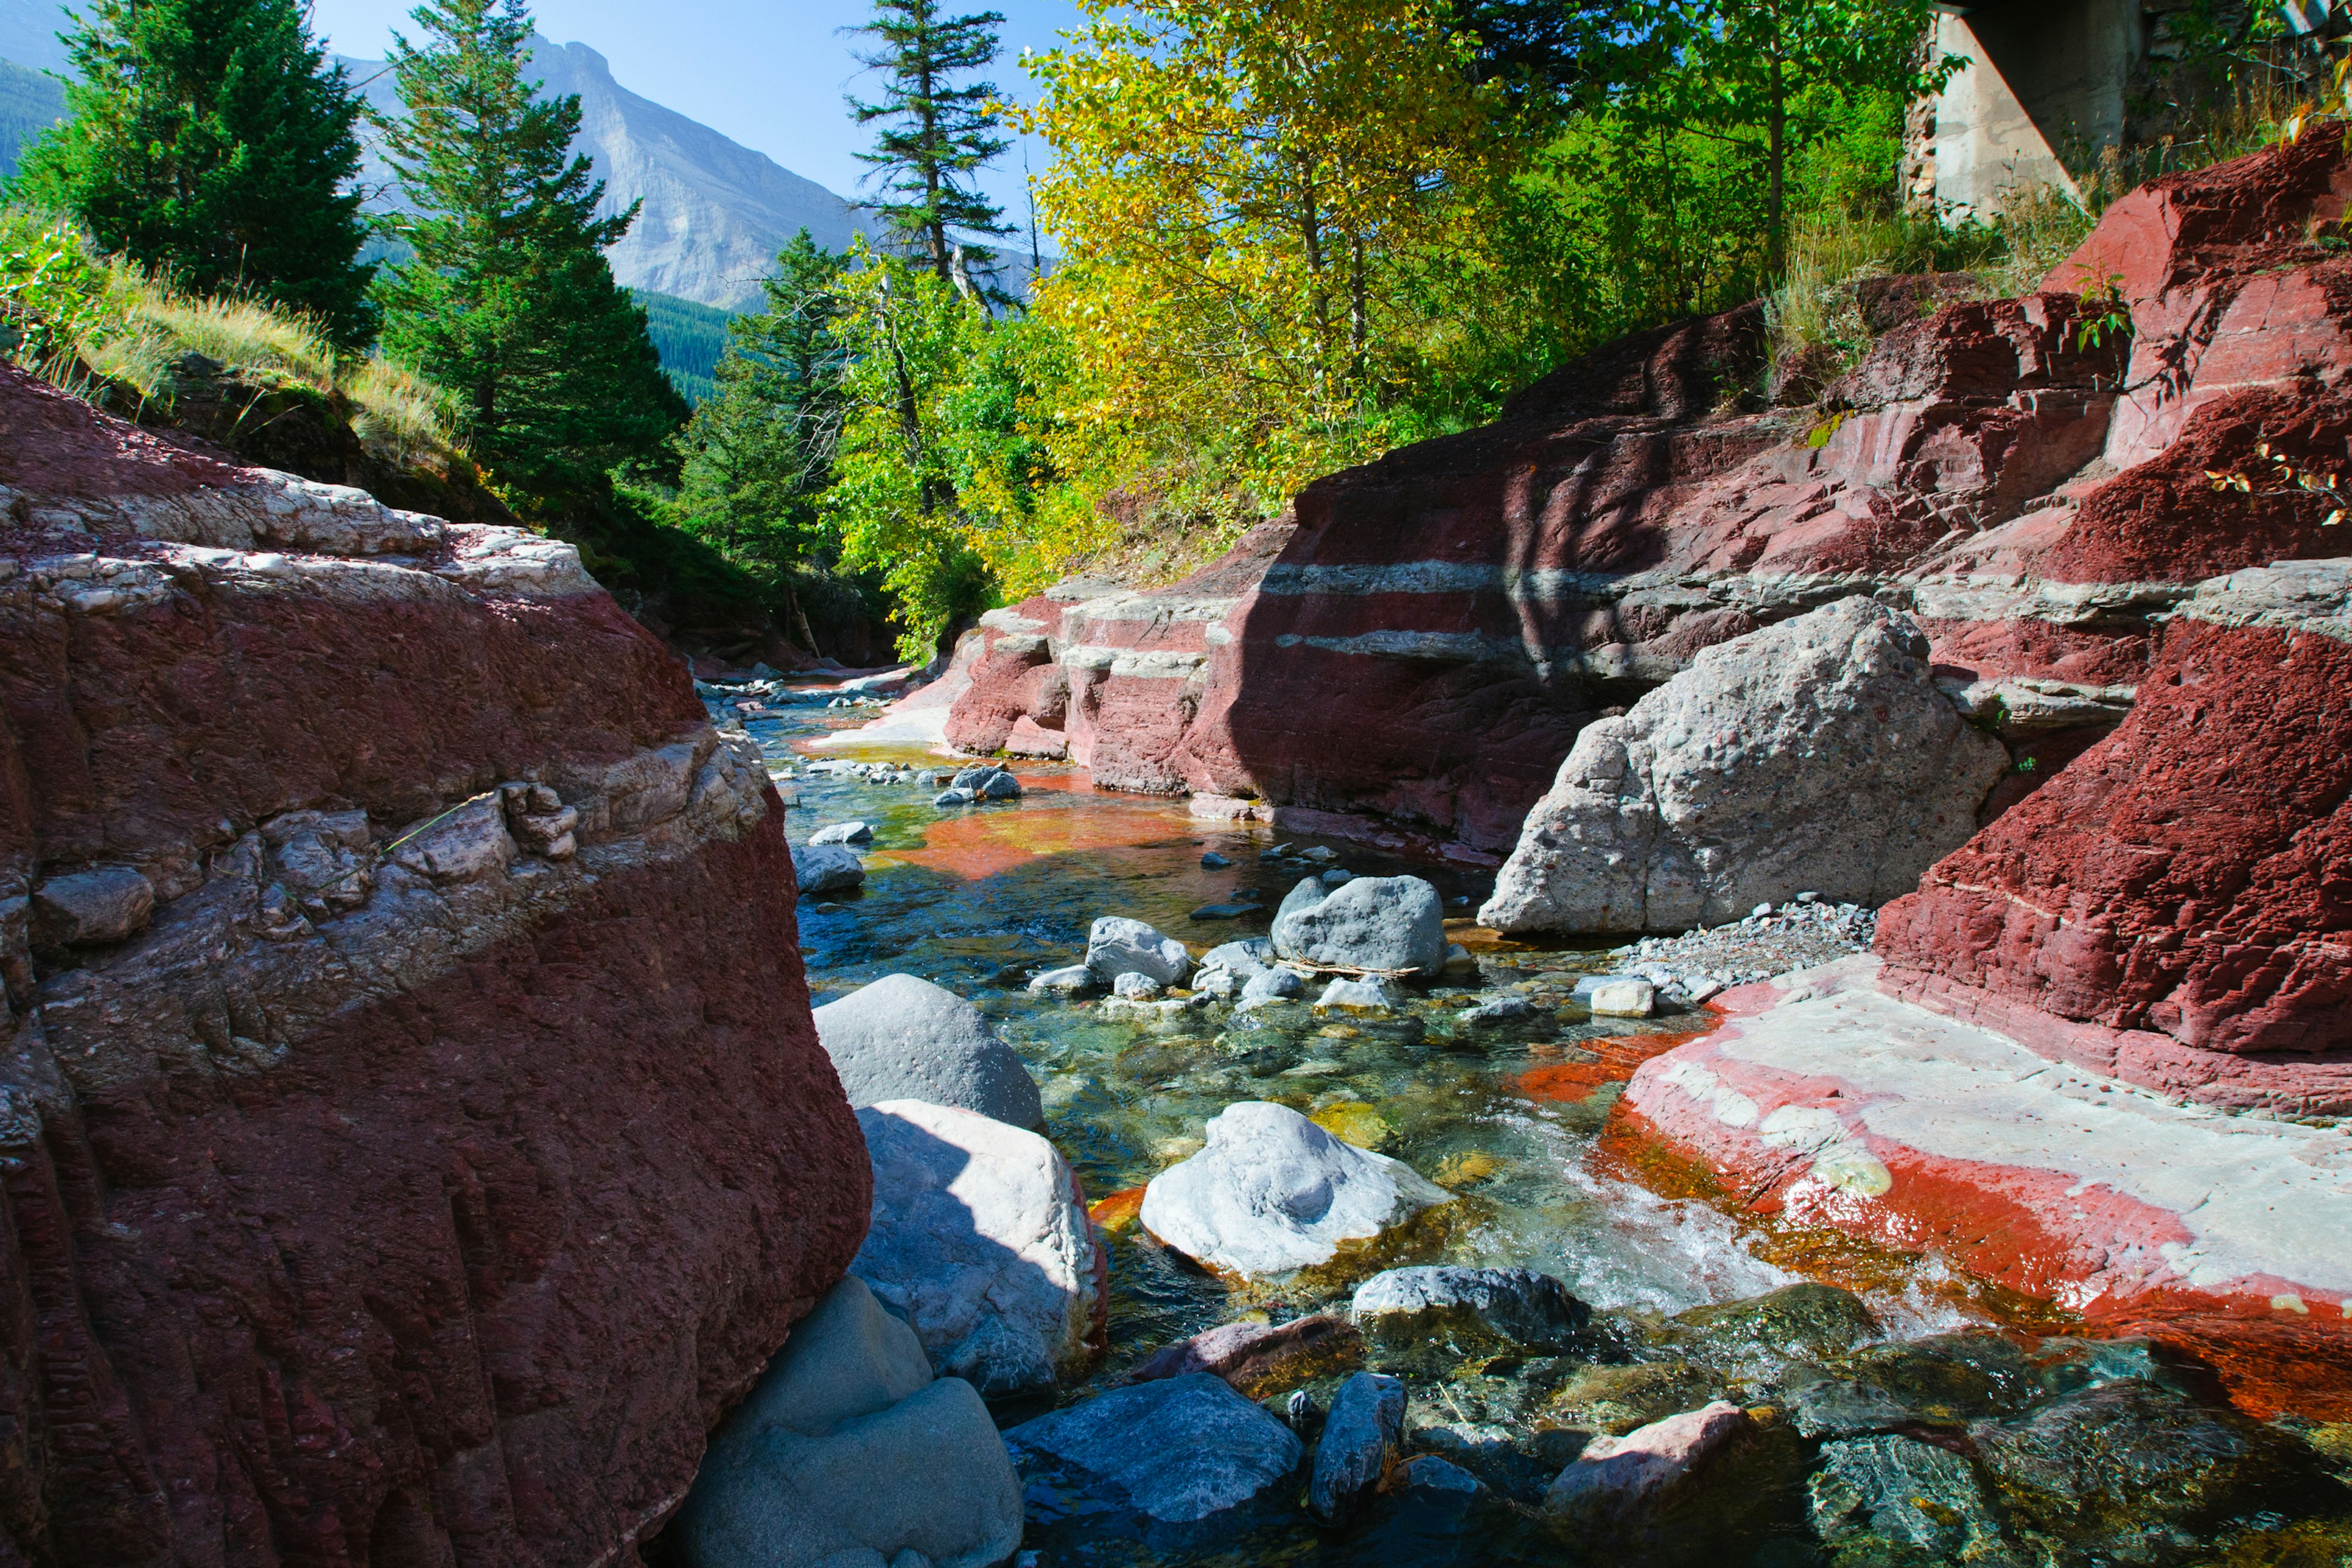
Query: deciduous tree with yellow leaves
x=1256 y=207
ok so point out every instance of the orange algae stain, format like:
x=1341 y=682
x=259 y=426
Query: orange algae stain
x=1614 y=1061
x=1118 y=1211
x=984 y=843
x=2004 y=1264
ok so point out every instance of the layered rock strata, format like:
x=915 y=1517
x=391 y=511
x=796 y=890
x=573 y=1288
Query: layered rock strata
x=2116 y=508
x=412 y=1133
x=1827 y=1102
x=1424 y=636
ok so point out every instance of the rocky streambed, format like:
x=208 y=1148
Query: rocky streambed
x=1564 y=1345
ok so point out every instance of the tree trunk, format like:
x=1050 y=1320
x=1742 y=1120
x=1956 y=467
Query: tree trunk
x=1776 y=212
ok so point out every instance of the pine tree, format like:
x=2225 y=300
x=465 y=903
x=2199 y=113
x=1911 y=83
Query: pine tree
x=760 y=449
x=509 y=301
x=210 y=139
x=936 y=134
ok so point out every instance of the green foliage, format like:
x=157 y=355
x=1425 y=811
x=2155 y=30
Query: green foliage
x=30 y=103
x=508 y=300
x=759 y=451
x=690 y=337
x=92 y=323
x=51 y=293
x=210 y=139
x=935 y=130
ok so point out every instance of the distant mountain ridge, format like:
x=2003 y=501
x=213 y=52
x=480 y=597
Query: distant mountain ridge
x=715 y=212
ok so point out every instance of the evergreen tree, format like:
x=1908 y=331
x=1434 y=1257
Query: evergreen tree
x=760 y=449
x=935 y=134
x=210 y=139
x=509 y=301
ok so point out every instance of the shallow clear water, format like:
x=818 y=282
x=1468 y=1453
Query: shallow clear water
x=978 y=899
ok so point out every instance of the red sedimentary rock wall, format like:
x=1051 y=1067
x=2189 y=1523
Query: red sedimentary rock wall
x=2115 y=506
x=412 y=1131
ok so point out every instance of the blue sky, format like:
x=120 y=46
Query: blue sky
x=769 y=75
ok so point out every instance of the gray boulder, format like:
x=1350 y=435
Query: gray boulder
x=1391 y=923
x=1359 y=1444
x=1068 y=981
x=826 y=867
x=1134 y=987
x=1271 y=1192
x=1815 y=756
x=1248 y=957
x=948 y=797
x=1174 y=1462
x=843 y=833
x=1471 y=1310
x=985 y=781
x=979 y=1240
x=1271 y=985
x=847 y=1446
x=1117 y=946
x=903 y=1037
x=1372 y=994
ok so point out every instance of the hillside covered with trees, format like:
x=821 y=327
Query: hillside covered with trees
x=1290 y=237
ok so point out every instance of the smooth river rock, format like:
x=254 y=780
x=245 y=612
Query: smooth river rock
x=903 y=1037
x=980 y=1239
x=847 y=1445
x=1617 y=1477
x=1272 y=1193
x=1359 y=1444
x=1814 y=756
x=1117 y=945
x=1469 y=1309
x=1173 y=1462
x=1394 y=924
x=826 y=867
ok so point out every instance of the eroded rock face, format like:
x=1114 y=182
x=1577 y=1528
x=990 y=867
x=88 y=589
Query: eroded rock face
x=1828 y=1100
x=1815 y=756
x=418 y=1182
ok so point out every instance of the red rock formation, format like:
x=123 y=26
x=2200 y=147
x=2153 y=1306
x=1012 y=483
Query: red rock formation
x=1834 y=1106
x=431 y=1140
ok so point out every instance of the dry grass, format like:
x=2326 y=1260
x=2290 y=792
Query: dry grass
x=128 y=326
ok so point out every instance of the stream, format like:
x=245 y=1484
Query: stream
x=1875 y=1449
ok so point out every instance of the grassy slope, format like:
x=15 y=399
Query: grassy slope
x=690 y=337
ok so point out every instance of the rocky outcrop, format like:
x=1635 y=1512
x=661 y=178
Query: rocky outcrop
x=1812 y=756
x=412 y=1135
x=2122 y=492
x=1827 y=1101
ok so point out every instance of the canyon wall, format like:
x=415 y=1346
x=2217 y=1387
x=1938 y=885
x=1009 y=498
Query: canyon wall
x=2115 y=506
x=412 y=1131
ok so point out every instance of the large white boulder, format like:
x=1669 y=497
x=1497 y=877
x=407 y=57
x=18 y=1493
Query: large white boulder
x=980 y=1239
x=1395 y=924
x=847 y=1446
x=1271 y=1192
x=1814 y=755
x=1117 y=945
x=905 y=1039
